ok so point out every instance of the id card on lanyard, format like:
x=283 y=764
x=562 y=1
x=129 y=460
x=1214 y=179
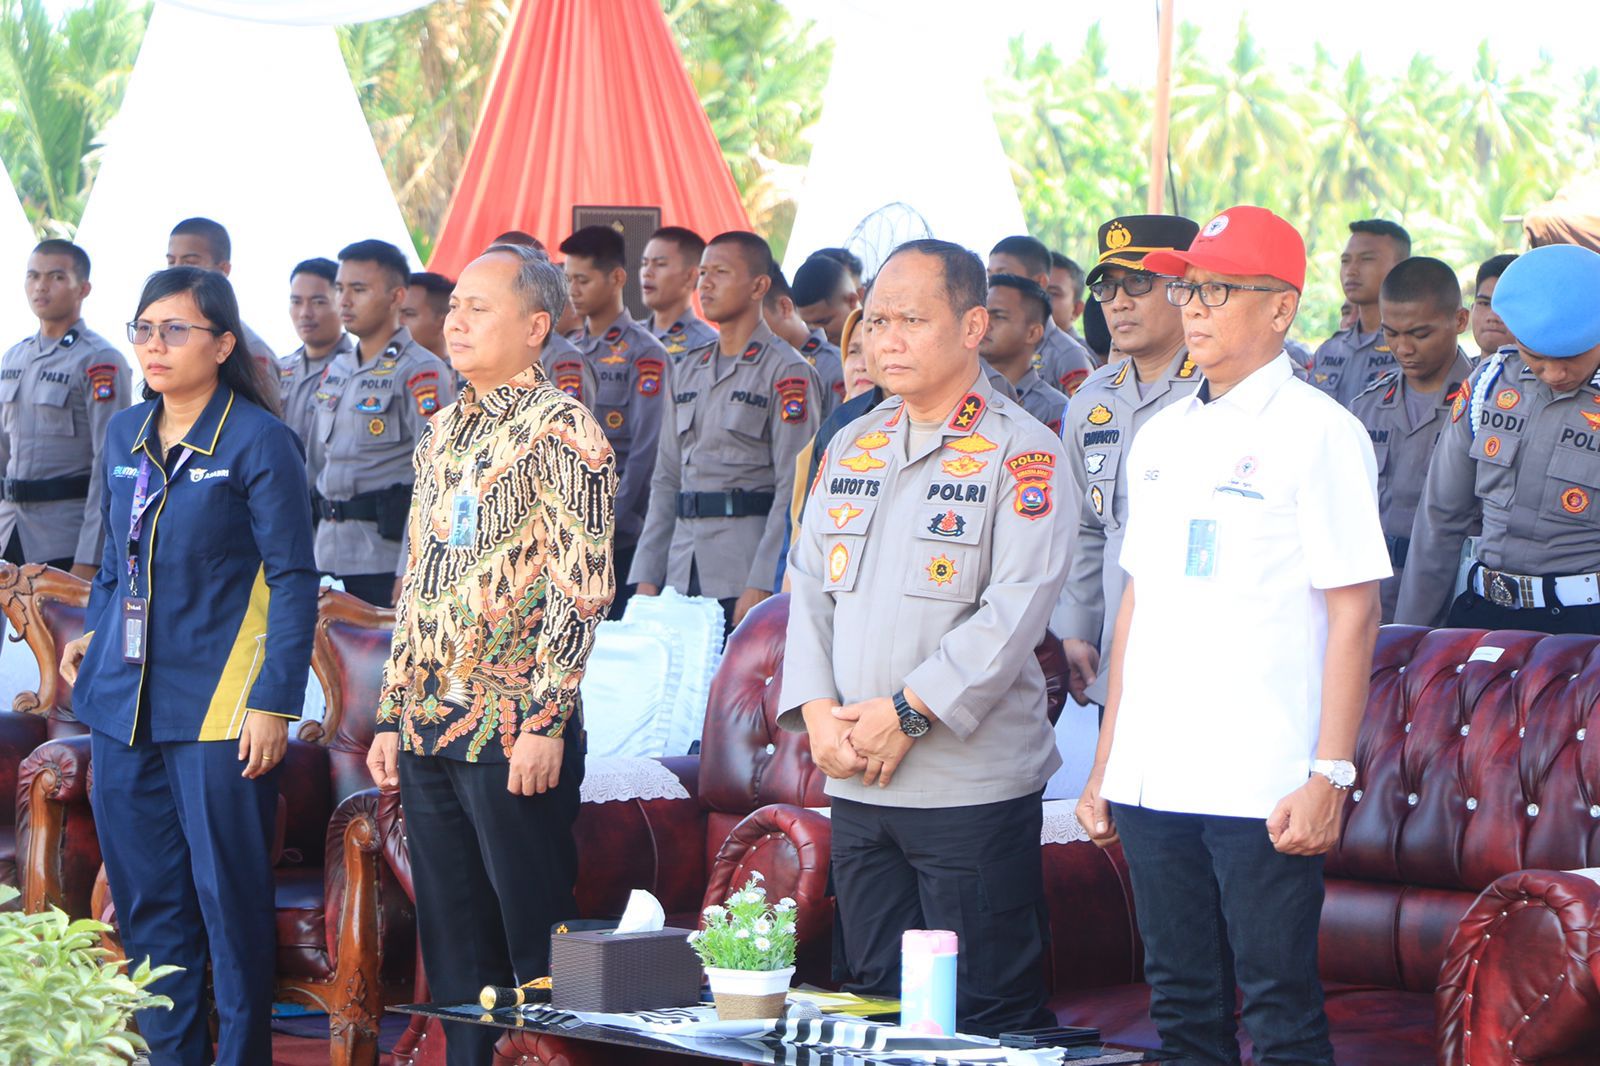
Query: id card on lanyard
x=135 y=607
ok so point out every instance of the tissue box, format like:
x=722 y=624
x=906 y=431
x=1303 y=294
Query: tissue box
x=617 y=972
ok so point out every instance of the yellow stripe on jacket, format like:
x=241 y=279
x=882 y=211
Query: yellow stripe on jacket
x=225 y=717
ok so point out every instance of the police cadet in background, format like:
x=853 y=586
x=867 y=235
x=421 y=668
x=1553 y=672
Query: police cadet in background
x=313 y=306
x=824 y=295
x=1066 y=296
x=1524 y=440
x=1018 y=309
x=927 y=565
x=1152 y=371
x=1488 y=332
x=1405 y=409
x=371 y=408
x=853 y=266
x=631 y=366
x=427 y=302
x=568 y=370
x=668 y=271
x=204 y=243
x=58 y=389
x=778 y=309
x=742 y=408
x=1062 y=361
x=1349 y=361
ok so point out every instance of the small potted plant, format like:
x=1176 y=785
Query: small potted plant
x=747 y=947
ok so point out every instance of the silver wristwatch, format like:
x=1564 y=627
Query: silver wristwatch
x=1340 y=772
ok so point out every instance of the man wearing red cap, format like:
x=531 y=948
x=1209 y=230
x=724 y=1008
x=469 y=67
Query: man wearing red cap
x=1252 y=528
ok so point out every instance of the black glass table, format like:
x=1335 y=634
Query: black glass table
x=512 y=1020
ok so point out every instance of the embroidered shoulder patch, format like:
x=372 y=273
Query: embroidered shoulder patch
x=1072 y=380
x=967 y=412
x=649 y=375
x=1033 y=471
x=103 y=382
x=792 y=398
x=424 y=389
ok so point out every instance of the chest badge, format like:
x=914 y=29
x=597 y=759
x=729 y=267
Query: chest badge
x=1097 y=500
x=1574 y=500
x=375 y=427
x=948 y=524
x=862 y=462
x=1099 y=414
x=1491 y=447
x=973 y=444
x=843 y=515
x=962 y=466
x=614 y=419
x=1094 y=462
x=1507 y=398
x=838 y=562
x=368 y=404
x=876 y=439
x=1591 y=417
x=942 y=570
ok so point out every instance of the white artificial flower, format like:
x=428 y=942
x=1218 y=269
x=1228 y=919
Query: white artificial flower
x=763 y=926
x=755 y=875
x=743 y=934
x=786 y=904
x=763 y=944
x=693 y=936
x=757 y=893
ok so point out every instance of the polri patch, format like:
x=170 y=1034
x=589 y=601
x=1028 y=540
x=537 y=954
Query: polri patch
x=103 y=382
x=649 y=380
x=792 y=399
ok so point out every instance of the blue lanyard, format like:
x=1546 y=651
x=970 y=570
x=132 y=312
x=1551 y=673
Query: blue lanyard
x=143 y=498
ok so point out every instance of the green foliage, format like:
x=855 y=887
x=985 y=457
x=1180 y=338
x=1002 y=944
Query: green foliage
x=61 y=1003
x=59 y=85
x=748 y=933
x=1455 y=158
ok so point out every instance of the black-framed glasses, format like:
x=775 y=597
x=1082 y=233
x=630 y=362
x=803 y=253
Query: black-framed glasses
x=1212 y=293
x=176 y=334
x=1138 y=284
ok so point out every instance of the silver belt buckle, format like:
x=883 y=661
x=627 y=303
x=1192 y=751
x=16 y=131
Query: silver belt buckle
x=1501 y=594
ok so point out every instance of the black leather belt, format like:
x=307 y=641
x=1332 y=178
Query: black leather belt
x=1398 y=548
x=362 y=507
x=738 y=503
x=47 y=489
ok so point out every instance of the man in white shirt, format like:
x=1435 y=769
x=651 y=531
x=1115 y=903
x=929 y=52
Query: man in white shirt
x=1241 y=658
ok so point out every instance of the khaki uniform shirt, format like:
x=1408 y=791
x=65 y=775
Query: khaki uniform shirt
x=1101 y=422
x=56 y=397
x=684 y=335
x=1040 y=400
x=509 y=575
x=737 y=422
x=1532 y=458
x=825 y=359
x=1061 y=360
x=569 y=371
x=934 y=568
x=299 y=378
x=630 y=369
x=1349 y=361
x=1403 y=450
x=368 y=421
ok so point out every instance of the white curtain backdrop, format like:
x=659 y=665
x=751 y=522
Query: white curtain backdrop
x=16 y=241
x=908 y=124
x=253 y=124
x=302 y=12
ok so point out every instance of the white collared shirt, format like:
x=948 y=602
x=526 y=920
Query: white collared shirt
x=1241 y=510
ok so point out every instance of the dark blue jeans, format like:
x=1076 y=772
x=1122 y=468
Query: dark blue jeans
x=1221 y=912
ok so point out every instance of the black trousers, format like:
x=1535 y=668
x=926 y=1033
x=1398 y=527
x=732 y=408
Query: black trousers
x=13 y=555
x=974 y=870
x=621 y=563
x=376 y=589
x=1472 y=611
x=493 y=872
x=727 y=605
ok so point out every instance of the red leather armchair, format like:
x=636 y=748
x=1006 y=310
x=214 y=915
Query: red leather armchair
x=1448 y=932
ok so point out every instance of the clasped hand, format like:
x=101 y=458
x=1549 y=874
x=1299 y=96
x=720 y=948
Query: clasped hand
x=857 y=738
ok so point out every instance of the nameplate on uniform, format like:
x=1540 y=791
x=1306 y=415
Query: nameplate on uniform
x=133 y=629
x=463 y=520
x=1201 y=557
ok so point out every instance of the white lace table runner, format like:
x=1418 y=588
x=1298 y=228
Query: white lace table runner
x=623 y=777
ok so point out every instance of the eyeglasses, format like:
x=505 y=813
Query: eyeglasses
x=1105 y=290
x=1212 y=293
x=176 y=334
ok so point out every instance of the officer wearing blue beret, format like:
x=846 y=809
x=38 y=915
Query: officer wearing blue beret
x=1524 y=440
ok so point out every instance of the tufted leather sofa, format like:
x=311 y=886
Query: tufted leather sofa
x=1449 y=933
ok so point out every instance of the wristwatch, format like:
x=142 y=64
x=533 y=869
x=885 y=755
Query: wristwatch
x=1340 y=772
x=913 y=723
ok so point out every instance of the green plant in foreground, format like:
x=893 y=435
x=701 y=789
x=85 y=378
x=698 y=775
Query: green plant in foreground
x=61 y=1002
x=748 y=933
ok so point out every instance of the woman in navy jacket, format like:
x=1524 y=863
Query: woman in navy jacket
x=199 y=638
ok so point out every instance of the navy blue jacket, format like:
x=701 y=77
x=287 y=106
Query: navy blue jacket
x=226 y=563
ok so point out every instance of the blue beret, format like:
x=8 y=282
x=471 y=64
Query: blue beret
x=1549 y=299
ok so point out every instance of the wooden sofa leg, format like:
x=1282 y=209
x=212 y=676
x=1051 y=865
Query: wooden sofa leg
x=357 y=991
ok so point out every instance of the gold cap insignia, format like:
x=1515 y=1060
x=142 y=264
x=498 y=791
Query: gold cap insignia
x=1118 y=237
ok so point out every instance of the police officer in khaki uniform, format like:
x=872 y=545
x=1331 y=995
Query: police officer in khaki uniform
x=58 y=389
x=778 y=309
x=1152 y=371
x=1350 y=360
x=630 y=366
x=1018 y=309
x=1524 y=440
x=742 y=409
x=371 y=406
x=1405 y=409
x=313 y=306
x=1062 y=361
x=668 y=271
x=930 y=556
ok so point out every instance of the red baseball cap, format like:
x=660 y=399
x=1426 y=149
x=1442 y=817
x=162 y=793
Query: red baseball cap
x=1241 y=241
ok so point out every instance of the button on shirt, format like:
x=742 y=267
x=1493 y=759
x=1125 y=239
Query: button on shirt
x=931 y=560
x=299 y=378
x=1349 y=361
x=1240 y=510
x=369 y=419
x=1403 y=433
x=509 y=575
x=630 y=369
x=56 y=397
x=1532 y=464
x=737 y=422
x=684 y=335
x=1062 y=360
x=1102 y=420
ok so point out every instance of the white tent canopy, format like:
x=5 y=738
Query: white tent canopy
x=907 y=128
x=16 y=241
x=251 y=123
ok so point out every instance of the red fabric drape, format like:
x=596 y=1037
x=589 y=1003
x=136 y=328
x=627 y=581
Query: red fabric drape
x=589 y=104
